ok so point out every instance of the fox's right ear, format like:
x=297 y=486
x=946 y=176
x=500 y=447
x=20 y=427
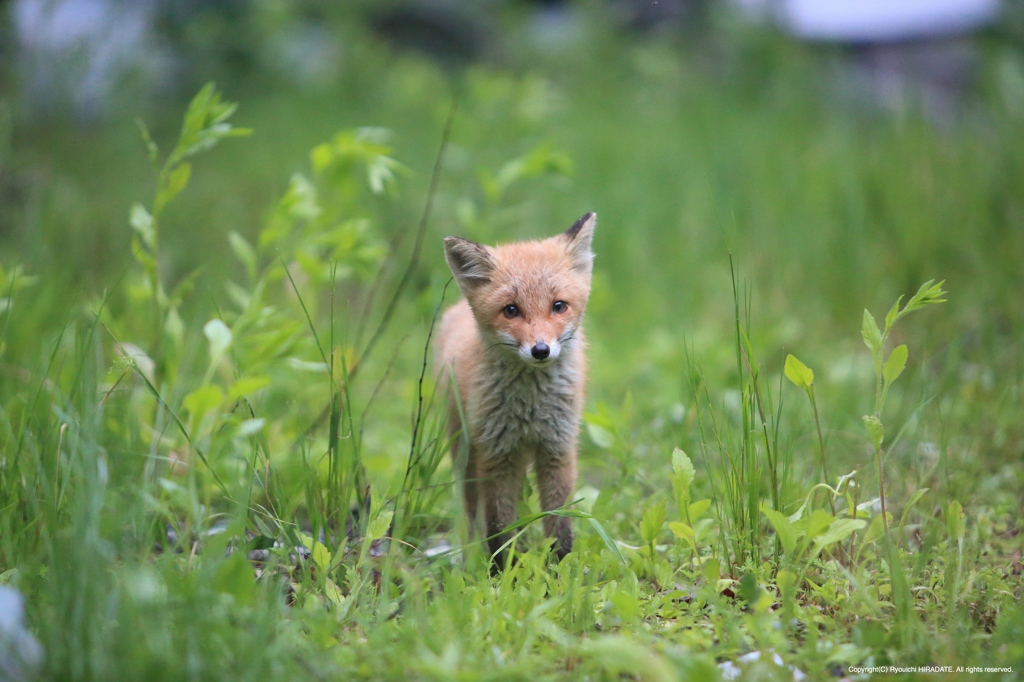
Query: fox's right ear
x=470 y=262
x=579 y=238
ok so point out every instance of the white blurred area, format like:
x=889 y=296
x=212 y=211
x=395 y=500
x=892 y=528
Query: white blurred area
x=901 y=55
x=75 y=53
x=864 y=21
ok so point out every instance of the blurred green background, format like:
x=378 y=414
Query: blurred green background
x=694 y=132
x=832 y=174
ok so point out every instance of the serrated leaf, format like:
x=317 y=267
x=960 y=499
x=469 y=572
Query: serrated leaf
x=783 y=528
x=379 y=526
x=875 y=429
x=652 y=522
x=799 y=373
x=956 y=522
x=895 y=364
x=682 y=468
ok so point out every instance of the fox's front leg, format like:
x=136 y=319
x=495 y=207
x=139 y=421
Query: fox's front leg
x=556 y=479
x=500 y=483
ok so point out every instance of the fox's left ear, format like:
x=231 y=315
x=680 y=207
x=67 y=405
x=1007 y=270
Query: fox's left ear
x=579 y=237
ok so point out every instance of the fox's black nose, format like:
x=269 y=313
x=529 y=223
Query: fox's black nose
x=540 y=350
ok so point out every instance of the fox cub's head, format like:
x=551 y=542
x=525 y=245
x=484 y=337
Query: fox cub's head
x=529 y=296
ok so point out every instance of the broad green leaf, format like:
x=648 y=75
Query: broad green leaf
x=876 y=529
x=601 y=436
x=839 y=530
x=918 y=494
x=334 y=594
x=247 y=386
x=875 y=429
x=307 y=365
x=380 y=173
x=815 y=524
x=712 y=571
x=175 y=183
x=652 y=522
x=872 y=335
x=845 y=479
x=174 y=327
x=698 y=508
x=142 y=222
x=250 y=427
x=799 y=373
x=609 y=542
x=151 y=149
x=204 y=125
x=751 y=591
x=893 y=314
x=783 y=528
x=202 y=401
x=682 y=468
x=244 y=252
x=319 y=552
x=219 y=336
x=926 y=295
x=235 y=576
x=682 y=531
x=895 y=364
x=956 y=522
x=785 y=581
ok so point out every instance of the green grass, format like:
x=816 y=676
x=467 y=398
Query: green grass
x=743 y=216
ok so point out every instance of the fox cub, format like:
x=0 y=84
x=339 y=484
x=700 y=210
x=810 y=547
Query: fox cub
x=515 y=347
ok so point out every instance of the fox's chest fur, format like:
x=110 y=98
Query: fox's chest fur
x=520 y=411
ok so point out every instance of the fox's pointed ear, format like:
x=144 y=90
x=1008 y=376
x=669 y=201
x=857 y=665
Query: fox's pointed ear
x=579 y=237
x=470 y=262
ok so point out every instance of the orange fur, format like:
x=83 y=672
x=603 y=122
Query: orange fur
x=515 y=347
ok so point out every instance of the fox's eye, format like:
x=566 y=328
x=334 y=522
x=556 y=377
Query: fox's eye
x=510 y=311
x=560 y=307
